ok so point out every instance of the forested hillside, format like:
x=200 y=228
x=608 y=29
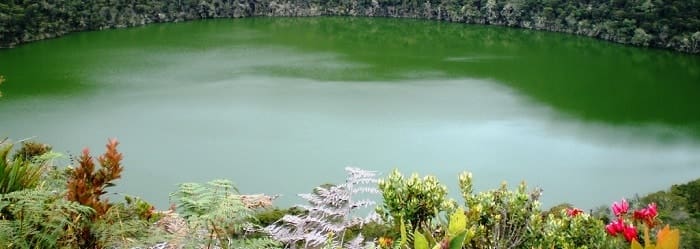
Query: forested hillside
x=672 y=24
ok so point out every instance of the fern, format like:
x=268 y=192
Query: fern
x=329 y=214
x=37 y=218
x=123 y=227
x=215 y=214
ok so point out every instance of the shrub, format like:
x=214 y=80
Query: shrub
x=128 y=225
x=571 y=228
x=30 y=150
x=414 y=200
x=269 y=216
x=87 y=186
x=455 y=236
x=680 y=207
x=501 y=218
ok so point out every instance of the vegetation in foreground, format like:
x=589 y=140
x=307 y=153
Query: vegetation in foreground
x=671 y=24
x=42 y=206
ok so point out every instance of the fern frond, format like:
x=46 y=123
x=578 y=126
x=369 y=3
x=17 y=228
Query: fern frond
x=214 y=212
x=41 y=219
x=329 y=212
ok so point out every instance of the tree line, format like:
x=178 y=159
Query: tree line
x=670 y=24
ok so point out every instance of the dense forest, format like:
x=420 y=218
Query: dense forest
x=671 y=24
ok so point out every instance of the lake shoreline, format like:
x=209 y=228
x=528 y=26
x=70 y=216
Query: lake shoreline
x=71 y=19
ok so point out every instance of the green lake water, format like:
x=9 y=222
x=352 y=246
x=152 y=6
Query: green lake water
x=282 y=105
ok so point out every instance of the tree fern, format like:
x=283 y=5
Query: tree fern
x=215 y=215
x=330 y=213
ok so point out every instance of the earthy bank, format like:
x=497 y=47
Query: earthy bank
x=673 y=24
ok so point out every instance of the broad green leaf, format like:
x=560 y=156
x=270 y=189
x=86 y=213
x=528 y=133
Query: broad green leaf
x=458 y=222
x=458 y=241
x=419 y=241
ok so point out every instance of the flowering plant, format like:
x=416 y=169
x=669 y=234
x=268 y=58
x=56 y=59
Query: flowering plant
x=623 y=225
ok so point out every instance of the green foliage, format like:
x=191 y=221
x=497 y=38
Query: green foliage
x=140 y=209
x=456 y=236
x=38 y=218
x=559 y=230
x=38 y=215
x=128 y=225
x=680 y=207
x=30 y=150
x=370 y=231
x=19 y=173
x=215 y=214
x=2 y=79
x=501 y=218
x=269 y=216
x=414 y=199
x=662 y=24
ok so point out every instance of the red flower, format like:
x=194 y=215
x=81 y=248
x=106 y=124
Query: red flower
x=647 y=215
x=620 y=208
x=615 y=227
x=573 y=212
x=630 y=233
x=619 y=227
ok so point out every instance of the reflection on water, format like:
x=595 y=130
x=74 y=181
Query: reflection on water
x=282 y=105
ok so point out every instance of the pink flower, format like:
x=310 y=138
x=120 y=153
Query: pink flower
x=630 y=233
x=620 y=208
x=615 y=227
x=573 y=212
x=647 y=215
x=619 y=227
